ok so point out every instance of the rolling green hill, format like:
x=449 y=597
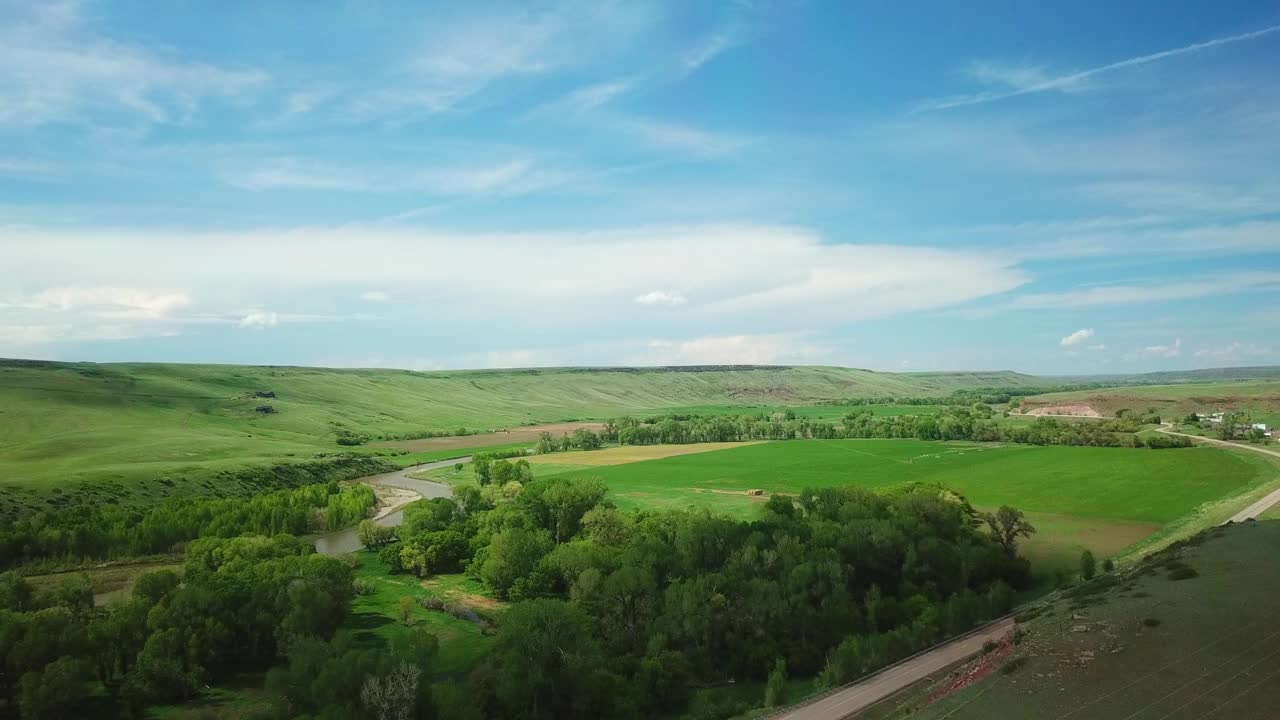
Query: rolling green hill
x=174 y=426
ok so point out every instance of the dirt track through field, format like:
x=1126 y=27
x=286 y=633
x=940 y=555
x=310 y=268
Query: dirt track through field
x=1254 y=510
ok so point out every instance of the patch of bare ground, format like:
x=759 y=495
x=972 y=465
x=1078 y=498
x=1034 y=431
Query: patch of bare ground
x=974 y=671
x=1071 y=409
x=391 y=499
x=631 y=453
x=500 y=436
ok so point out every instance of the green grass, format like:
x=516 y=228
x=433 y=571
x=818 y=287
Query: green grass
x=1102 y=499
x=1210 y=655
x=1143 y=485
x=375 y=617
x=71 y=423
x=419 y=458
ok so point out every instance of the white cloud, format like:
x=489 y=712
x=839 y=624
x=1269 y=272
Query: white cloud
x=1232 y=351
x=1135 y=294
x=375 y=296
x=259 y=320
x=734 y=350
x=588 y=281
x=1077 y=337
x=54 y=67
x=1166 y=351
x=660 y=297
x=107 y=302
x=1097 y=348
x=1024 y=81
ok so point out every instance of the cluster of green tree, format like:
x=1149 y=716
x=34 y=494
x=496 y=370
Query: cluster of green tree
x=491 y=470
x=580 y=439
x=350 y=438
x=240 y=604
x=987 y=395
x=1150 y=416
x=422 y=434
x=620 y=614
x=973 y=423
x=113 y=531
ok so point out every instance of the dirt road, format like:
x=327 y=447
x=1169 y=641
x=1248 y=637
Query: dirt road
x=858 y=697
x=1255 y=509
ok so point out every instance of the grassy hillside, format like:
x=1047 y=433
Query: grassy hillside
x=72 y=423
x=1159 y=641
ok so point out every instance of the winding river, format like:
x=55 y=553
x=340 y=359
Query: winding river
x=345 y=541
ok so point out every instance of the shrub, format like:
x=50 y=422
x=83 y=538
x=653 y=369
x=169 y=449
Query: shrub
x=988 y=646
x=1018 y=636
x=1088 y=566
x=1108 y=565
x=361 y=587
x=1151 y=622
x=1184 y=572
x=1011 y=665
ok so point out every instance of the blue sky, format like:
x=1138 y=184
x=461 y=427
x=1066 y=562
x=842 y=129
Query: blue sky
x=1052 y=188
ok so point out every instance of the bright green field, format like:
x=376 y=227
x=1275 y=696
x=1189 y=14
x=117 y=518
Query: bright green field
x=1144 y=485
x=1104 y=499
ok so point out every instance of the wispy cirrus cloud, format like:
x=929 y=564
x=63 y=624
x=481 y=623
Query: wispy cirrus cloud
x=1022 y=80
x=461 y=56
x=1232 y=352
x=1137 y=294
x=54 y=67
x=515 y=176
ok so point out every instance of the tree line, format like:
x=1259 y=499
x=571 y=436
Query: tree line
x=975 y=423
x=109 y=531
x=240 y=604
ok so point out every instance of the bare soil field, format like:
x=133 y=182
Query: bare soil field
x=630 y=453
x=505 y=436
x=1073 y=409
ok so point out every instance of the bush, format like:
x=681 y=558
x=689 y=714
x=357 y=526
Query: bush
x=1018 y=635
x=988 y=646
x=1088 y=566
x=1183 y=572
x=1108 y=565
x=1011 y=665
x=361 y=587
x=1151 y=622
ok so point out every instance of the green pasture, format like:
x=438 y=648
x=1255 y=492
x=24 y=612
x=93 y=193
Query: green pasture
x=1103 y=499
